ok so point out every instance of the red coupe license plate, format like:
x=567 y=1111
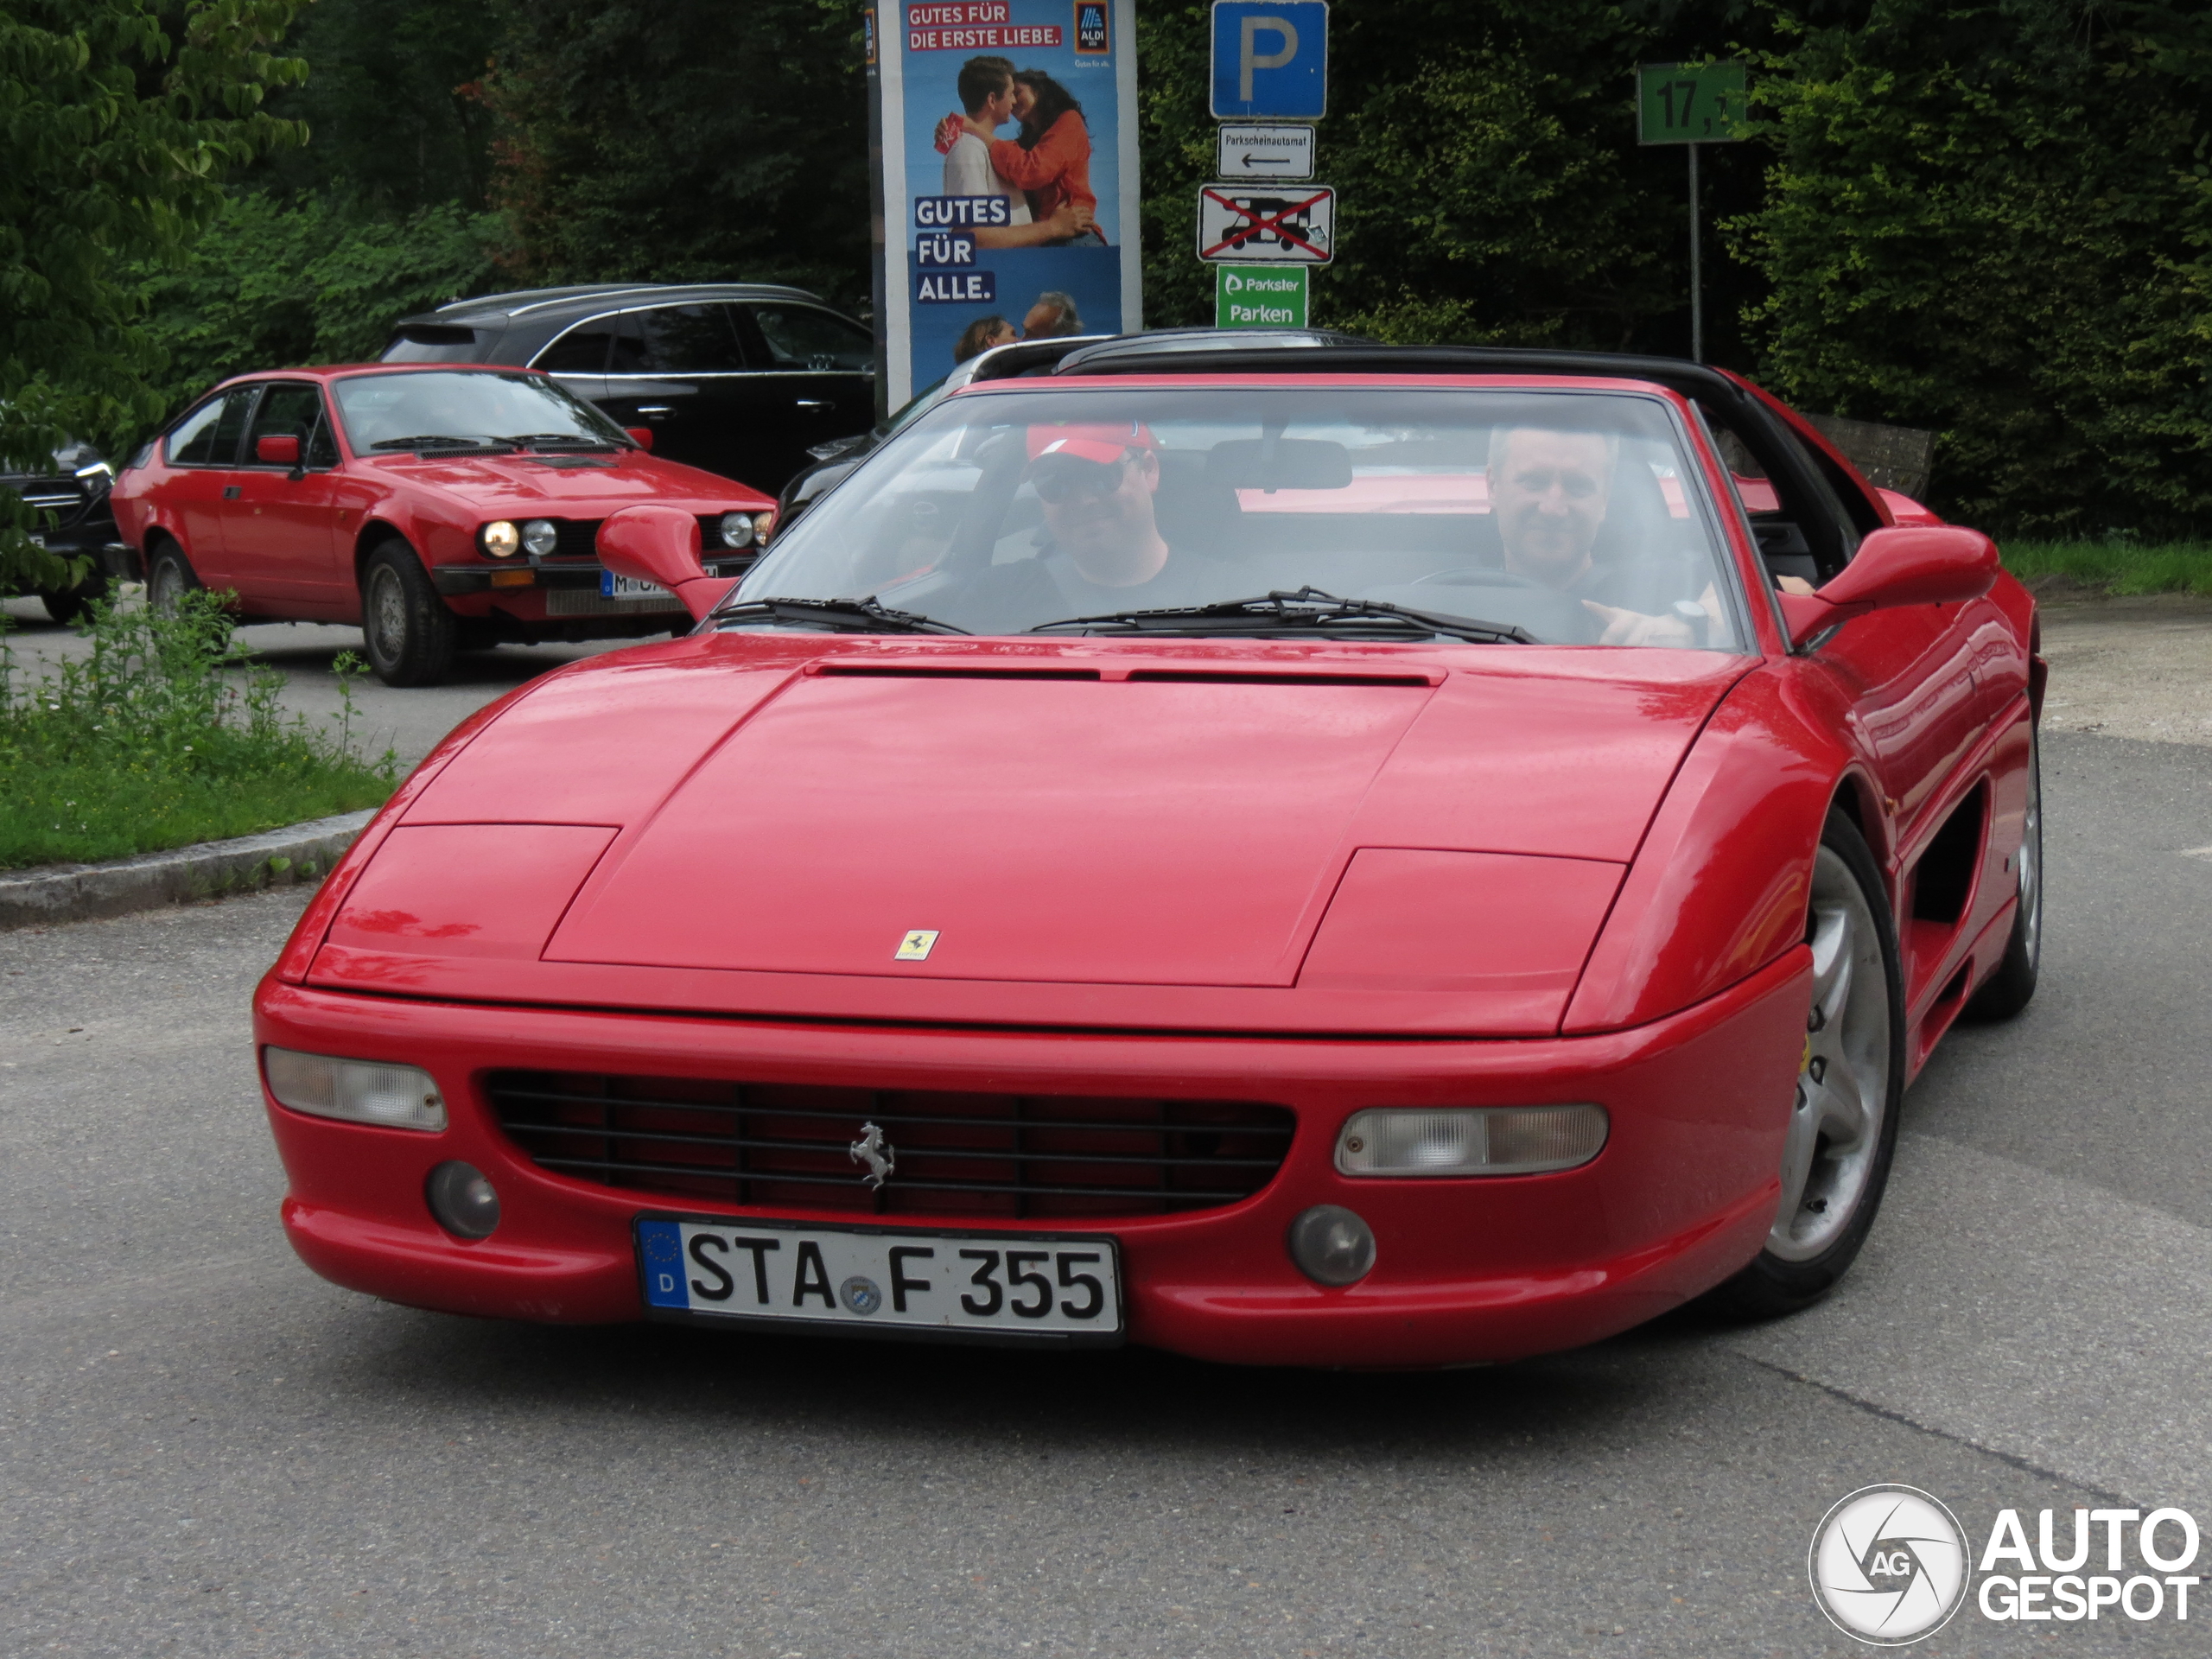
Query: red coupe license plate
x=868 y=1278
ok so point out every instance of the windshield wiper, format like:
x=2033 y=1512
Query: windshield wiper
x=559 y=441
x=1309 y=610
x=442 y=441
x=840 y=615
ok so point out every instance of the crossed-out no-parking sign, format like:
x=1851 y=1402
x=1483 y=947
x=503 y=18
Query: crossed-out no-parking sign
x=1293 y=224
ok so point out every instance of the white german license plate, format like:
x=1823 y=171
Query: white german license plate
x=613 y=587
x=871 y=1278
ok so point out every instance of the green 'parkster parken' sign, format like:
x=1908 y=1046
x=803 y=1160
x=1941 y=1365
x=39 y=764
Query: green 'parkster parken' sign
x=1259 y=296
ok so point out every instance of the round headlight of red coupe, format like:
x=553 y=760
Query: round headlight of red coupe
x=501 y=539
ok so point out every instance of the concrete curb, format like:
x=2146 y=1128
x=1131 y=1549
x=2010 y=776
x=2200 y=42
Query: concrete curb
x=81 y=892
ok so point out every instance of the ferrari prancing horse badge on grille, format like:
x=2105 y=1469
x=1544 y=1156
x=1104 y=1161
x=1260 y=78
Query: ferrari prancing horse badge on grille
x=915 y=947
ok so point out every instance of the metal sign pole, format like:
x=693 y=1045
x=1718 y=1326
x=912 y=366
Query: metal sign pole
x=1697 y=285
x=1693 y=105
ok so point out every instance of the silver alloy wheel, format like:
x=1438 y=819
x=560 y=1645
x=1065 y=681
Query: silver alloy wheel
x=385 y=614
x=1836 y=1124
x=2031 y=861
x=167 y=587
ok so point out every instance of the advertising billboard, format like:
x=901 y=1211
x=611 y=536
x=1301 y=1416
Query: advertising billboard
x=1007 y=178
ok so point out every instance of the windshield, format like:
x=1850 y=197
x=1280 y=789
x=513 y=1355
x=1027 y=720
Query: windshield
x=1574 y=517
x=381 y=409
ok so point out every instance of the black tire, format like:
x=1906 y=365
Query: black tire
x=404 y=623
x=169 y=576
x=1859 y=1043
x=2010 y=990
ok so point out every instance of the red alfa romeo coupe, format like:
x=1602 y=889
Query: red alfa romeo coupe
x=437 y=508
x=1353 y=856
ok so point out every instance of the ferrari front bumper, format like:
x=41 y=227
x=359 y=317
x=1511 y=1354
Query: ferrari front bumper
x=1467 y=1270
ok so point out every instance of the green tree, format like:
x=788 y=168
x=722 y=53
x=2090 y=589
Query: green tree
x=686 y=140
x=393 y=103
x=1993 y=217
x=273 y=283
x=118 y=119
x=1490 y=186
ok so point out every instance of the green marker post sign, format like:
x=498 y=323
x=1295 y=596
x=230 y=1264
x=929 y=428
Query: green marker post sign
x=1259 y=296
x=1690 y=105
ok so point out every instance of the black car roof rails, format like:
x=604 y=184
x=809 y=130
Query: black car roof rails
x=541 y=299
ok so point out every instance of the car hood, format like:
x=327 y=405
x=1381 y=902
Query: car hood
x=564 y=486
x=1073 y=813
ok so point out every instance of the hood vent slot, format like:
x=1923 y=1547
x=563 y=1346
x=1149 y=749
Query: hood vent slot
x=964 y=671
x=1148 y=676
x=1261 y=676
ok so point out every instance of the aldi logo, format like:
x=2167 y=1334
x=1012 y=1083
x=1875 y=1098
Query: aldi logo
x=1090 y=37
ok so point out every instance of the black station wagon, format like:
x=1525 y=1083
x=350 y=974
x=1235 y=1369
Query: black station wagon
x=739 y=378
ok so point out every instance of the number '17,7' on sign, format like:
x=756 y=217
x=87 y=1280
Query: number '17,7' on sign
x=1690 y=103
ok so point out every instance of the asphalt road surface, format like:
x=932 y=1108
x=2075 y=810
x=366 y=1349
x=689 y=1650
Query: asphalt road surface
x=207 y=1451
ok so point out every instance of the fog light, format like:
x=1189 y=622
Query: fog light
x=1332 y=1246
x=501 y=538
x=1502 y=1141
x=737 y=529
x=463 y=1202
x=362 y=1091
x=540 y=536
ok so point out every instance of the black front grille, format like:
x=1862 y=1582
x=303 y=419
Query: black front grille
x=955 y=1153
x=578 y=539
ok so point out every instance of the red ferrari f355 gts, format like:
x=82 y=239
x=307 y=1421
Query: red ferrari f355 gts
x=1359 y=855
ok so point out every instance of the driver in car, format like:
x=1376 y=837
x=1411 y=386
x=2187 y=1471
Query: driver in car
x=1096 y=483
x=1550 y=491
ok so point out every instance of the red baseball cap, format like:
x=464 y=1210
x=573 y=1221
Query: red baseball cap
x=1101 y=442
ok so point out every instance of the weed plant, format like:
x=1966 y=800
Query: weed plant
x=165 y=734
x=2117 y=566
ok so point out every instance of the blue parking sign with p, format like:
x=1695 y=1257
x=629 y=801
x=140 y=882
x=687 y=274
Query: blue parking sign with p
x=1271 y=61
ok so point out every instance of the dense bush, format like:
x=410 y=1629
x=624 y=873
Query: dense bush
x=1994 y=220
x=162 y=736
x=275 y=282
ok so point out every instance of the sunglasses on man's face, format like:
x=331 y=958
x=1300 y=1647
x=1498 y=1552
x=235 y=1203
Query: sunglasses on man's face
x=1061 y=479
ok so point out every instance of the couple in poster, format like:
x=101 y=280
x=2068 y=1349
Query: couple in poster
x=1005 y=124
x=1044 y=171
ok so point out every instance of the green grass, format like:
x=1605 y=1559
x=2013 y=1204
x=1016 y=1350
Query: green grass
x=2116 y=566
x=162 y=737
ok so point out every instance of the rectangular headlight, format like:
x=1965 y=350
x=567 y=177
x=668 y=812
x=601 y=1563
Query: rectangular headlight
x=1496 y=1140
x=361 y=1091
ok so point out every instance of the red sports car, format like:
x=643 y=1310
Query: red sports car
x=1355 y=856
x=438 y=509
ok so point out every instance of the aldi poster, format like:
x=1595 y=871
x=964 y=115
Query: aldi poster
x=1008 y=188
